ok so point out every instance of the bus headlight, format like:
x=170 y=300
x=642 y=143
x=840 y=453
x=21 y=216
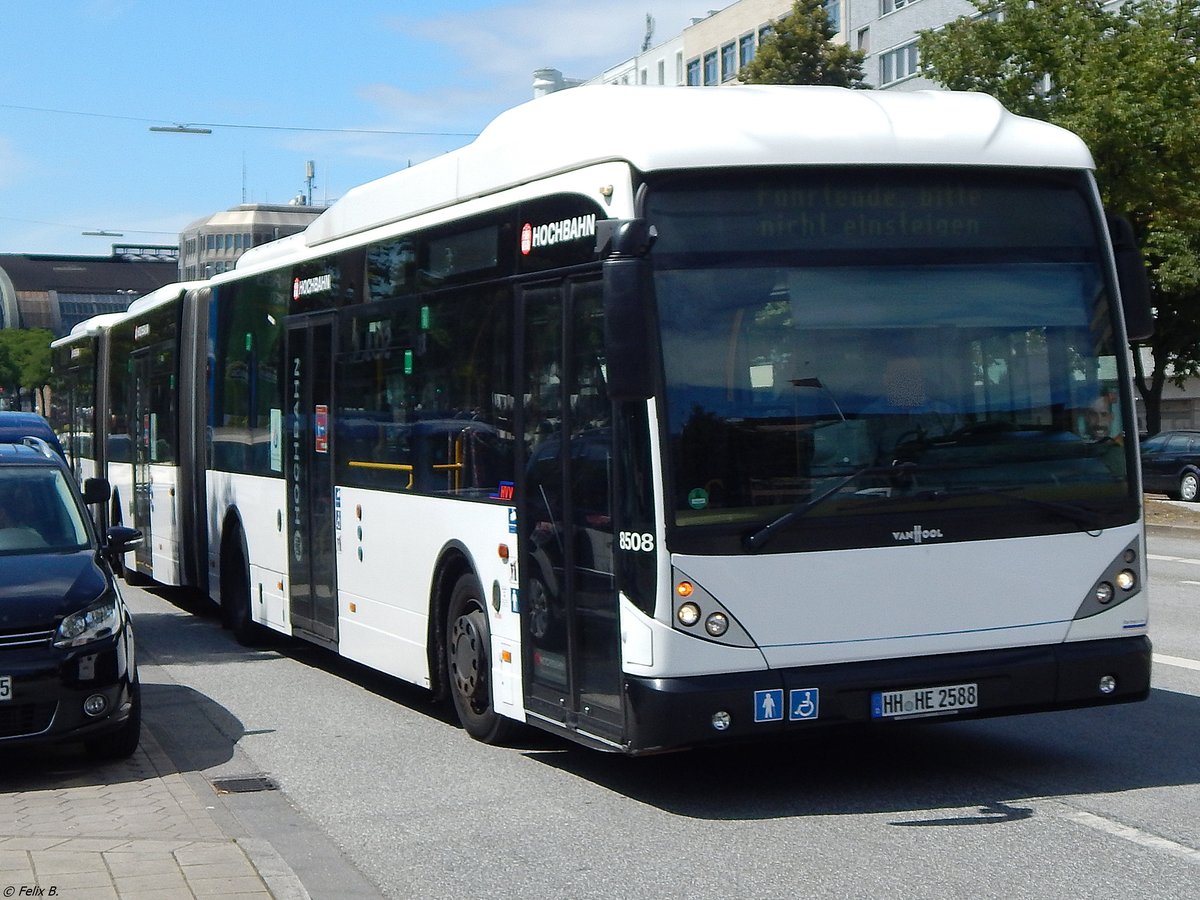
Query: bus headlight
x=1126 y=579
x=688 y=614
x=1104 y=592
x=716 y=624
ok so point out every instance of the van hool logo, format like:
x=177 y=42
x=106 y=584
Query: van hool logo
x=303 y=287
x=918 y=534
x=573 y=229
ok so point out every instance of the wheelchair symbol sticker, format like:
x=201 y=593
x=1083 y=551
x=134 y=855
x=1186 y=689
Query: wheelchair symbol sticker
x=804 y=703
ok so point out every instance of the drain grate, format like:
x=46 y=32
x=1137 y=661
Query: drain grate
x=245 y=785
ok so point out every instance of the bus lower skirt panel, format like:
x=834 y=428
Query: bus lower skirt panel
x=672 y=713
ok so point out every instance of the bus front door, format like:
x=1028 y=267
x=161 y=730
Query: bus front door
x=567 y=589
x=308 y=455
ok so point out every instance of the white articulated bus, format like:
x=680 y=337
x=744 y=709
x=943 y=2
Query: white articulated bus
x=663 y=417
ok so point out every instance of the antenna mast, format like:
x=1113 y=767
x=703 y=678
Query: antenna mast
x=648 y=41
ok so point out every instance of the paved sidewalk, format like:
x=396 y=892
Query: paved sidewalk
x=70 y=827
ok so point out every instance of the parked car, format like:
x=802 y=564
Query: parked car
x=67 y=667
x=1171 y=464
x=15 y=425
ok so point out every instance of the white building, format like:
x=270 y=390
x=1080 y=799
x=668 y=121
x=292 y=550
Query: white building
x=715 y=46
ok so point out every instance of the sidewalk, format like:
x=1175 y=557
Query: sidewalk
x=1164 y=513
x=138 y=828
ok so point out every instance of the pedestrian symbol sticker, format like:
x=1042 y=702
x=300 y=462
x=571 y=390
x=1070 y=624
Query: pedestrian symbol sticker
x=804 y=703
x=768 y=706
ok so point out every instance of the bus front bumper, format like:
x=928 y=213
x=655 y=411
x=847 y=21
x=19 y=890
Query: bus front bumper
x=672 y=713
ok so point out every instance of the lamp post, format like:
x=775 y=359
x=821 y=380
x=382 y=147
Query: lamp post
x=180 y=129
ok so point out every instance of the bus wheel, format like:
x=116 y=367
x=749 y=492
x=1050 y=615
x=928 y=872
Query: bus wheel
x=469 y=665
x=235 y=603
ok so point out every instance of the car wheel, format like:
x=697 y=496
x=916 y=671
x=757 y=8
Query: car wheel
x=1189 y=486
x=469 y=663
x=121 y=742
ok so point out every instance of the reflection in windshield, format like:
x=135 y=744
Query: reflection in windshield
x=973 y=378
x=38 y=513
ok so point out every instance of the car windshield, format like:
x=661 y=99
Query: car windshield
x=38 y=512
x=848 y=345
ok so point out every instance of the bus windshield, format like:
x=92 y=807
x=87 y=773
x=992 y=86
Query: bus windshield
x=841 y=344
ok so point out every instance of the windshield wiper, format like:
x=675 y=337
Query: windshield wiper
x=1084 y=518
x=756 y=541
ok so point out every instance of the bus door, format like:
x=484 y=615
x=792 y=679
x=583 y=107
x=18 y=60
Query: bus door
x=567 y=589
x=308 y=456
x=144 y=425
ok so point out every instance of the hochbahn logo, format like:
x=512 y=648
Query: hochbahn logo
x=573 y=229
x=303 y=287
x=918 y=534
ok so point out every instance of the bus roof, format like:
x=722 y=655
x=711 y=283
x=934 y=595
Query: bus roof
x=665 y=128
x=88 y=328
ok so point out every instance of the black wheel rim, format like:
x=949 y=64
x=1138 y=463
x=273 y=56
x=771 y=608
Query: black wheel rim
x=468 y=659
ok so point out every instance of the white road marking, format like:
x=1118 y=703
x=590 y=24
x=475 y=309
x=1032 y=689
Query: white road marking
x=1134 y=835
x=1178 y=661
x=1178 y=559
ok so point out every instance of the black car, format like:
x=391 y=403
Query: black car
x=1171 y=464
x=67 y=666
x=15 y=426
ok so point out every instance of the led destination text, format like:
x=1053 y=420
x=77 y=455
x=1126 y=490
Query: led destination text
x=943 y=212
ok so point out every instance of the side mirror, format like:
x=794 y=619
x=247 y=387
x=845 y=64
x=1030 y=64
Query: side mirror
x=96 y=490
x=121 y=539
x=1132 y=280
x=629 y=343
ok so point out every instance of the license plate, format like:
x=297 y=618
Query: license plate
x=933 y=701
x=5 y=687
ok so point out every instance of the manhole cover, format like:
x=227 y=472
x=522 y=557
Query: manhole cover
x=244 y=785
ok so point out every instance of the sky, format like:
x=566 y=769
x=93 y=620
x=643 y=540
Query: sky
x=359 y=87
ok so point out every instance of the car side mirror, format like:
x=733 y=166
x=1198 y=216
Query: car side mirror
x=121 y=539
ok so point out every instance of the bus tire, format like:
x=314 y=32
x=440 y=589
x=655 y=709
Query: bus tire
x=235 y=598
x=134 y=578
x=469 y=663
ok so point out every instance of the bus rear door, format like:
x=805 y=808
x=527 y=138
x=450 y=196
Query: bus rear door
x=308 y=455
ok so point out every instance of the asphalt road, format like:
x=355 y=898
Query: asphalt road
x=1093 y=803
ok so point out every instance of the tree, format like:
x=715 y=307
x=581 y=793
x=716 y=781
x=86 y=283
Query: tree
x=25 y=362
x=1128 y=83
x=800 y=50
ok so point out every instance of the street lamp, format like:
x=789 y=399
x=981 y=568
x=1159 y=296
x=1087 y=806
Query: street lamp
x=180 y=129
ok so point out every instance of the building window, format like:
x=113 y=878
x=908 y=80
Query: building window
x=679 y=67
x=887 y=6
x=864 y=39
x=898 y=63
x=833 y=13
x=693 y=73
x=746 y=49
x=763 y=33
x=710 y=67
x=729 y=65
x=662 y=71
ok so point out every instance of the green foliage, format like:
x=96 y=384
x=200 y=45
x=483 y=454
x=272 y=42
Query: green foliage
x=1128 y=82
x=24 y=360
x=799 y=51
